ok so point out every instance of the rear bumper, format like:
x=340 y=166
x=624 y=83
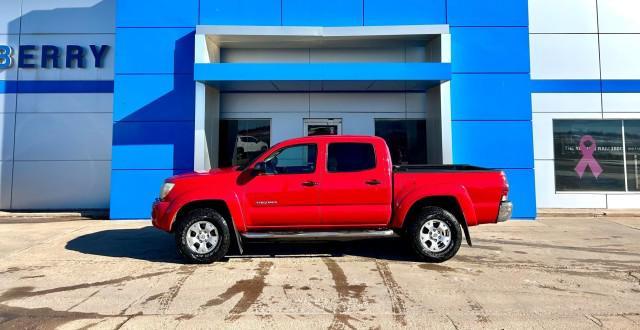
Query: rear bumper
x=506 y=208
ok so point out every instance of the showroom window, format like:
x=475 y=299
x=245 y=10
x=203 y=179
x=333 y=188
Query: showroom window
x=407 y=140
x=242 y=140
x=597 y=155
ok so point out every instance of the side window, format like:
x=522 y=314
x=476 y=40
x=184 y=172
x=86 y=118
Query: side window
x=350 y=157
x=298 y=159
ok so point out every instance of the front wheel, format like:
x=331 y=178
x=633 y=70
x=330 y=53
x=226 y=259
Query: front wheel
x=203 y=236
x=435 y=234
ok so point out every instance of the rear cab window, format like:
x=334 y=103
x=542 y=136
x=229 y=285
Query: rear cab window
x=350 y=157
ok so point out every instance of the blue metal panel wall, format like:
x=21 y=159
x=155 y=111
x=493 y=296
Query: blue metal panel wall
x=240 y=12
x=322 y=12
x=404 y=12
x=490 y=92
x=157 y=13
x=153 y=101
x=154 y=94
x=488 y=13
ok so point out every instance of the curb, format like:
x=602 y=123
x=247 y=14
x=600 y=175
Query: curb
x=588 y=213
x=80 y=215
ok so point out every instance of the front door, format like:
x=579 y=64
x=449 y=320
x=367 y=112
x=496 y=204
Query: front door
x=322 y=127
x=286 y=195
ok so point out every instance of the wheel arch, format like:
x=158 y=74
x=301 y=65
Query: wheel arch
x=449 y=203
x=219 y=206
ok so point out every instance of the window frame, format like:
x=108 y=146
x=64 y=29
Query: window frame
x=375 y=158
x=278 y=151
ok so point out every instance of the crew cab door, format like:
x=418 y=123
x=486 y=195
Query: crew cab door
x=356 y=186
x=286 y=195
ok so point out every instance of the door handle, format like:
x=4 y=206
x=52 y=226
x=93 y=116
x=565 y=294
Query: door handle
x=373 y=182
x=309 y=183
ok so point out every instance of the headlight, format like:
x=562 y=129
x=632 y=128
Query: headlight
x=166 y=189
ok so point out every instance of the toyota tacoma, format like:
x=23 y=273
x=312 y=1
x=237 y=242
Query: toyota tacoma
x=330 y=188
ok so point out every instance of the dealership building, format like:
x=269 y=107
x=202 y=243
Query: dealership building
x=101 y=100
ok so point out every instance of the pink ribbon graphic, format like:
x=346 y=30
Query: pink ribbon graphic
x=587 y=157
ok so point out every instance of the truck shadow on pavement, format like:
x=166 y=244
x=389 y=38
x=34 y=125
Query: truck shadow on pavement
x=153 y=245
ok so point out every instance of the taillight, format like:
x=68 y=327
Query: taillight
x=505 y=187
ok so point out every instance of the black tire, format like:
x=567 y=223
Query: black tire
x=415 y=227
x=206 y=215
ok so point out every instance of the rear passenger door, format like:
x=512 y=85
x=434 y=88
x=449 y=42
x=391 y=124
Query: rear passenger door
x=355 y=190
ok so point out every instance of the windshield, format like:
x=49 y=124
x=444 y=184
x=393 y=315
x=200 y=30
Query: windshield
x=249 y=161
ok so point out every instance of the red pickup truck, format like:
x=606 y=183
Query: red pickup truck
x=330 y=187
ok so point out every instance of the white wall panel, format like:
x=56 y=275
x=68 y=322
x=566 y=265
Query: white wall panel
x=66 y=136
x=417 y=102
x=619 y=53
x=7 y=102
x=564 y=56
x=396 y=115
x=5 y=183
x=7 y=121
x=621 y=115
x=264 y=55
x=419 y=54
x=564 y=16
x=68 y=16
x=10 y=16
x=566 y=102
x=619 y=16
x=546 y=197
x=358 y=102
x=264 y=102
x=416 y=115
x=623 y=201
x=320 y=55
x=358 y=124
x=543 y=131
x=63 y=73
x=621 y=102
x=61 y=185
x=286 y=126
x=66 y=102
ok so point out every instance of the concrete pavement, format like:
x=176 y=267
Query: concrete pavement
x=550 y=273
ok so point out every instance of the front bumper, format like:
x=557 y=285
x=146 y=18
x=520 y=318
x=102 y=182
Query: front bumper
x=506 y=208
x=160 y=218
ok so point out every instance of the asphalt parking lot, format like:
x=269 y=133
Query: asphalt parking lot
x=550 y=273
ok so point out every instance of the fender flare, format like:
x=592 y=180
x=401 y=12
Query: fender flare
x=232 y=203
x=404 y=204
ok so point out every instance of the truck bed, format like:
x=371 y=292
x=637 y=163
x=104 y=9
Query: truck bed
x=438 y=168
x=484 y=186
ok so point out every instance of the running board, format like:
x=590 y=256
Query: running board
x=320 y=235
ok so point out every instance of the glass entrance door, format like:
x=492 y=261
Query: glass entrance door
x=322 y=127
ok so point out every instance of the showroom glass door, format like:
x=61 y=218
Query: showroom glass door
x=322 y=127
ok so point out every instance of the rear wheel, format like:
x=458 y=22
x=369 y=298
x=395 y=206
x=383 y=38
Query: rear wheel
x=203 y=236
x=435 y=234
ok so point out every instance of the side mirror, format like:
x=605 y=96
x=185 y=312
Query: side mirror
x=259 y=168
